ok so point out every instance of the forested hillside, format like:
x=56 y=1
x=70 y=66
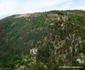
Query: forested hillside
x=43 y=41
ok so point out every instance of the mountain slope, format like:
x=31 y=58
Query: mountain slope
x=42 y=40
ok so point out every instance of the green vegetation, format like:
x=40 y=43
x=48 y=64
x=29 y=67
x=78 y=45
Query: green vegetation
x=43 y=41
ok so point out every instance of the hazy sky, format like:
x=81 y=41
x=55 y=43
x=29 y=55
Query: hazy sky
x=10 y=7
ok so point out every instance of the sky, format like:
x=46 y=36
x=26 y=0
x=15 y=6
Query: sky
x=11 y=7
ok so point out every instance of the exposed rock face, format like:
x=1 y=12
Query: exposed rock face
x=33 y=51
x=80 y=61
x=64 y=18
x=22 y=68
x=22 y=15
